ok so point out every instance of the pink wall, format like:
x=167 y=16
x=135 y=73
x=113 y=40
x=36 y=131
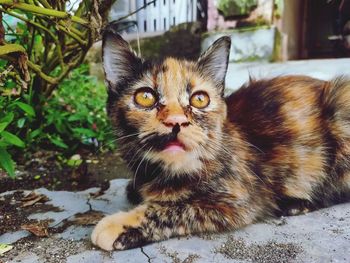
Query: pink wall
x=215 y=20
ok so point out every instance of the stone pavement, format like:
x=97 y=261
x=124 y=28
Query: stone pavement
x=320 y=236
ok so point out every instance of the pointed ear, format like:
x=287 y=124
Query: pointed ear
x=214 y=61
x=120 y=62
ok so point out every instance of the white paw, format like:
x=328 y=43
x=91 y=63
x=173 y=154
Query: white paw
x=107 y=231
x=111 y=227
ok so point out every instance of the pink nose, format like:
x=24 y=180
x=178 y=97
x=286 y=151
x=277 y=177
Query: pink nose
x=172 y=120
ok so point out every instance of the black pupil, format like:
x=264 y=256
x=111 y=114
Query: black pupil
x=147 y=95
x=200 y=97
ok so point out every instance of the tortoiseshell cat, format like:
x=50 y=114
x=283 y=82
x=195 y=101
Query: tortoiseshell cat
x=206 y=163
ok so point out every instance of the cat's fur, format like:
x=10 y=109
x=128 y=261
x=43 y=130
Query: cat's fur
x=275 y=146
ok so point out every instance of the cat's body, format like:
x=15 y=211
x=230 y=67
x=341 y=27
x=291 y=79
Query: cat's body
x=205 y=163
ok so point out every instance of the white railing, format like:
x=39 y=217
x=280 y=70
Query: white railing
x=163 y=14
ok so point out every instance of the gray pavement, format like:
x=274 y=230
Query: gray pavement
x=320 y=236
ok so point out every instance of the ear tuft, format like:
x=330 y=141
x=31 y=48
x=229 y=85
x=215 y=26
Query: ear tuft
x=119 y=61
x=214 y=61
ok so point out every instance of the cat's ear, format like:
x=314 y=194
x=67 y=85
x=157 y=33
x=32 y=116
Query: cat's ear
x=214 y=61
x=119 y=60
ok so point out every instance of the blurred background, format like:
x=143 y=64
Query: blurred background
x=261 y=29
x=54 y=131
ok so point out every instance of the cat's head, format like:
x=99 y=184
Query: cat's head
x=171 y=112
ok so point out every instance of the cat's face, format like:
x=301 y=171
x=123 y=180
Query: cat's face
x=171 y=112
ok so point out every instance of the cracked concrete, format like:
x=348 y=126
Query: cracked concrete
x=320 y=236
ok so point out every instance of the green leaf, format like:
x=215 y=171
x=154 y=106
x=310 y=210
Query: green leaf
x=58 y=142
x=7 y=163
x=35 y=133
x=10 y=84
x=12 y=139
x=4 y=248
x=75 y=117
x=85 y=132
x=20 y=122
x=4 y=122
x=3 y=144
x=10 y=48
x=26 y=108
x=37 y=177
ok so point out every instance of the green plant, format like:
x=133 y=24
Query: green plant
x=76 y=116
x=49 y=40
x=73 y=118
x=41 y=42
x=14 y=113
x=236 y=7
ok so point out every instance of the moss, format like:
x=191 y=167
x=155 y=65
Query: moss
x=230 y=8
x=182 y=41
x=277 y=48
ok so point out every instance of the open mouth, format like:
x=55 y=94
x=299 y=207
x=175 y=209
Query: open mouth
x=174 y=146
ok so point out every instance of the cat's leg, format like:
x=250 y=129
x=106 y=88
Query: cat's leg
x=158 y=221
x=133 y=193
x=291 y=206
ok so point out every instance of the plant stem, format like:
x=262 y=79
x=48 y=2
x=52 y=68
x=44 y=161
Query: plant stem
x=43 y=11
x=58 y=46
x=34 y=67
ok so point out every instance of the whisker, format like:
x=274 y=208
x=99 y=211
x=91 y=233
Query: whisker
x=143 y=158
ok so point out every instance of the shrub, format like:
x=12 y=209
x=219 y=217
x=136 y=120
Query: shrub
x=13 y=116
x=41 y=42
x=76 y=115
x=73 y=118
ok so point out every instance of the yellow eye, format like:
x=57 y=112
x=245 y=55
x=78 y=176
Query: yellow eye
x=200 y=99
x=145 y=97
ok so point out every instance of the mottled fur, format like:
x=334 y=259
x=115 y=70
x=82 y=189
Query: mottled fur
x=277 y=146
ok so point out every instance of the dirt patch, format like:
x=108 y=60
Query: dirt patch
x=271 y=252
x=174 y=256
x=88 y=218
x=13 y=215
x=50 y=250
x=46 y=171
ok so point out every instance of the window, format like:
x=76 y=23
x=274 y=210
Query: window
x=155 y=24
x=145 y=25
x=164 y=2
x=174 y=21
x=154 y=2
x=164 y=23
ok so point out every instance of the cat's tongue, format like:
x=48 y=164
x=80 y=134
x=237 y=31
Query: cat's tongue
x=174 y=147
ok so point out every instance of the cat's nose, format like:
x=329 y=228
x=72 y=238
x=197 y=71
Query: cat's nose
x=174 y=119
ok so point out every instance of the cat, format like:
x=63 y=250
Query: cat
x=203 y=162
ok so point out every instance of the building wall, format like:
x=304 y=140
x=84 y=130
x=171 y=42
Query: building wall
x=158 y=16
x=122 y=8
x=163 y=14
x=291 y=27
x=217 y=21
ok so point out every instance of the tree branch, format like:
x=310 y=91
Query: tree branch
x=43 y=11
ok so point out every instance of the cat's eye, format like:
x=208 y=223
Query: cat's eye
x=200 y=99
x=145 y=97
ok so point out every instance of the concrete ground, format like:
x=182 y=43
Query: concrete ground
x=56 y=225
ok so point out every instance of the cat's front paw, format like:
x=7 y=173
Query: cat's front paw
x=120 y=231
